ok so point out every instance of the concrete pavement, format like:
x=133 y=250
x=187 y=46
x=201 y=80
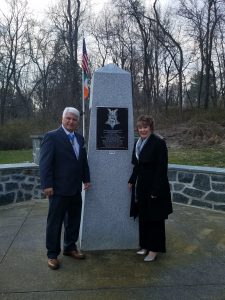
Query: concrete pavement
x=193 y=268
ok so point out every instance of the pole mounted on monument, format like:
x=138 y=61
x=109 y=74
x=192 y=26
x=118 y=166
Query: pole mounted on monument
x=85 y=79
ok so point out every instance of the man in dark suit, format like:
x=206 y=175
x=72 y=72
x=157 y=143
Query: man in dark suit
x=63 y=168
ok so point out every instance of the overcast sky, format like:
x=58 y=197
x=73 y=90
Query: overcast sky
x=38 y=6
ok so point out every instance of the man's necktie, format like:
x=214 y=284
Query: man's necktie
x=74 y=144
x=71 y=137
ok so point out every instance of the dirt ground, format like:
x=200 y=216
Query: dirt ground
x=194 y=134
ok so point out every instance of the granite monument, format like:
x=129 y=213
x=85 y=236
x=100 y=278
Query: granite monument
x=106 y=222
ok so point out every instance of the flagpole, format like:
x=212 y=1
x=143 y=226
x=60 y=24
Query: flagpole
x=83 y=191
x=83 y=104
x=85 y=88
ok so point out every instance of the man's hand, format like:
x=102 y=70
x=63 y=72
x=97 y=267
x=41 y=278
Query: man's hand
x=48 y=192
x=87 y=185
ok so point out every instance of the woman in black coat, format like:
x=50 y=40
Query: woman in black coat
x=151 y=199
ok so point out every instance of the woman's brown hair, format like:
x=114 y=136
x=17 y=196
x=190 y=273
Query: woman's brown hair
x=146 y=121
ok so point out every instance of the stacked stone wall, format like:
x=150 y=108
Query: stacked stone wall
x=191 y=185
x=198 y=186
x=19 y=182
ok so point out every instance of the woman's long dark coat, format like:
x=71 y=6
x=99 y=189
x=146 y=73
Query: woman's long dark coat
x=149 y=178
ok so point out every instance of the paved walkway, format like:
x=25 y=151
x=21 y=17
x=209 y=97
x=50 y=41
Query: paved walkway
x=193 y=268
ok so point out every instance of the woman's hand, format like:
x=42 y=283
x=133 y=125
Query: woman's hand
x=87 y=185
x=130 y=185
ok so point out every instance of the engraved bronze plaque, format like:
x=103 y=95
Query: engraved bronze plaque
x=112 y=128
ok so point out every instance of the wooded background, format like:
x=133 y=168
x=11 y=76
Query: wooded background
x=176 y=58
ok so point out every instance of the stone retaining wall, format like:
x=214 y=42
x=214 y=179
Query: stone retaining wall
x=198 y=186
x=191 y=185
x=19 y=182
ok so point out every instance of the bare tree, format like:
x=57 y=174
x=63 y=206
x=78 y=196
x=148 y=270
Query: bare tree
x=219 y=44
x=143 y=29
x=170 y=43
x=41 y=51
x=67 y=19
x=13 y=34
x=203 y=19
x=101 y=31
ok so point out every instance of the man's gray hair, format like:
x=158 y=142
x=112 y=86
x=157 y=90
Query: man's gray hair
x=71 y=110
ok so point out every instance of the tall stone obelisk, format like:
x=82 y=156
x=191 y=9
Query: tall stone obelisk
x=106 y=221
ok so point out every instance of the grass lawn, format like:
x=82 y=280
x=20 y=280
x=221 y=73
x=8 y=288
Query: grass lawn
x=15 y=156
x=211 y=157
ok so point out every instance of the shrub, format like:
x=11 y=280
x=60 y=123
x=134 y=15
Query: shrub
x=16 y=135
